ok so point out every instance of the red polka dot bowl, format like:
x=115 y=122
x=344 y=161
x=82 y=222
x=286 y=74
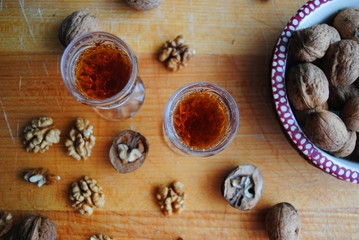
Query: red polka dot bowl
x=311 y=13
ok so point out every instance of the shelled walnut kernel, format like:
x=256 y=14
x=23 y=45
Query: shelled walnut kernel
x=100 y=236
x=81 y=140
x=5 y=222
x=171 y=198
x=40 y=134
x=40 y=176
x=175 y=54
x=86 y=195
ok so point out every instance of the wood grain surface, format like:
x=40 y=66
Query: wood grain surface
x=234 y=41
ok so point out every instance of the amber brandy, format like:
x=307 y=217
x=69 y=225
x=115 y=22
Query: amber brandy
x=200 y=120
x=102 y=71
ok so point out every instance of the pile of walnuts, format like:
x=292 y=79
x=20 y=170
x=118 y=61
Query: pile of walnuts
x=323 y=84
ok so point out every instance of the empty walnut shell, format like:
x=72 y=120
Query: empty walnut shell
x=37 y=228
x=347 y=23
x=243 y=187
x=76 y=24
x=307 y=86
x=283 y=222
x=143 y=5
x=350 y=114
x=311 y=43
x=326 y=130
x=128 y=138
x=341 y=62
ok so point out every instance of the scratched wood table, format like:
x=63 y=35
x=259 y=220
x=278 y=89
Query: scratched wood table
x=234 y=41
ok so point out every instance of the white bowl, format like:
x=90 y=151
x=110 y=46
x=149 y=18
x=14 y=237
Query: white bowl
x=311 y=13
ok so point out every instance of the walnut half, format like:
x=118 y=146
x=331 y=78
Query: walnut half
x=40 y=134
x=81 y=140
x=86 y=195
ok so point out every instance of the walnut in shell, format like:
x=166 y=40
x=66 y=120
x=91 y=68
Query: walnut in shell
x=307 y=86
x=341 y=62
x=128 y=151
x=283 y=222
x=326 y=130
x=5 y=222
x=347 y=23
x=76 y=24
x=350 y=114
x=311 y=43
x=36 y=227
x=81 y=140
x=339 y=95
x=86 y=195
x=243 y=187
x=143 y=5
x=100 y=236
x=348 y=147
x=40 y=134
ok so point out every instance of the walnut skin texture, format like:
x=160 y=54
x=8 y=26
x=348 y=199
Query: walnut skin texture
x=326 y=130
x=347 y=24
x=76 y=24
x=307 y=86
x=350 y=114
x=243 y=187
x=311 y=43
x=341 y=62
x=37 y=228
x=283 y=222
x=348 y=147
x=143 y=5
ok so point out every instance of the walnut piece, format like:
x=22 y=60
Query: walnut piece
x=171 y=198
x=81 y=140
x=175 y=54
x=243 y=187
x=347 y=23
x=76 y=24
x=36 y=227
x=40 y=176
x=144 y=5
x=128 y=151
x=311 y=43
x=5 y=222
x=40 y=134
x=86 y=195
x=100 y=236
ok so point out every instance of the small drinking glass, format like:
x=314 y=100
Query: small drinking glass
x=200 y=119
x=124 y=103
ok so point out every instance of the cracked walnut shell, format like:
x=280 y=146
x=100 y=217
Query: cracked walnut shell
x=37 y=227
x=81 y=140
x=40 y=176
x=5 y=222
x=86 y=195
x=171 y=198
x=175 y=54
x=100 y=236
x=40 y=134
x=76 y=24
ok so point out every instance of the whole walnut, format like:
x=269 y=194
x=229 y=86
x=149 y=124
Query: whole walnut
x=300 y=116
x=311 y=43
x=348 y=147
x=307 y=86
x=36 y=228
x=341 y=62
x=76 y=24
x=326 y=130
x=350 y=114
x=347 y=23
x=283 y=222
x=143 y=5
x=339 y=95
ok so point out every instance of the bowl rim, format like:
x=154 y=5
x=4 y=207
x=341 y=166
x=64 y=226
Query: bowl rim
x=337 y=167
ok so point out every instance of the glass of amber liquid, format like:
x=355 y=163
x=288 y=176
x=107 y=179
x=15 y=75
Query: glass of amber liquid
x=200 y=119
x=100 y=70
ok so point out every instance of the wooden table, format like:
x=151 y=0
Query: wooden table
x=234 y=41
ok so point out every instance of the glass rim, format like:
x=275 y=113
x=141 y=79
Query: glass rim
x=233 y=113
x=118 y=96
